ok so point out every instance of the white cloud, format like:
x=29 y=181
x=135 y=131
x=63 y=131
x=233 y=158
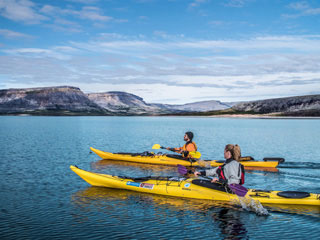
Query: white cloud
x=164 y=35
x=144 y=1
x=217 y=23
x=197 y=3
x=111 y=36
x=48 y=9
x=11 y=34
x=86 y=12
x=84 y=1
x=299 y=5
x=312 y=11
x=28 y=12
x=61 y=21
x=21 y=11
x=235 y=3
x=37 y=53
x=303 y=9
x=65 y=19
x=143 y=18
x=282 y=44
x=93 y=13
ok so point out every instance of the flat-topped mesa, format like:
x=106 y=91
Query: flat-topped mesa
x=123 y=102
x=308 y=105
x=54 y=88
x=46 y=100
x=110 y=99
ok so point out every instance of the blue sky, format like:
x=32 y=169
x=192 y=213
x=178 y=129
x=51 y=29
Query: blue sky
x=166 y=51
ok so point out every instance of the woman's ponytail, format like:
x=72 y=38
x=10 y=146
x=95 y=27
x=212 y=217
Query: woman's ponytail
x=234 y=150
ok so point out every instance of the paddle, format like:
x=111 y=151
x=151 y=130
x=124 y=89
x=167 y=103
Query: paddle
x=183 y=170
x=193 y=154
x=239 y=190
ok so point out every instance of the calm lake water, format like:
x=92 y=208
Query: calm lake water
x=42 y=199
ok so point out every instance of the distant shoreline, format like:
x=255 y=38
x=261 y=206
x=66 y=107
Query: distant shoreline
x=239 y=116
x=259 y=116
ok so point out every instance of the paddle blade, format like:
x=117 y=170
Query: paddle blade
x=195 y=154
x=238 y=189
x=156 y=146
x=182 y=169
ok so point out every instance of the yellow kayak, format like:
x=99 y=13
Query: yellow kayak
x=173 y=159
x=194 y=188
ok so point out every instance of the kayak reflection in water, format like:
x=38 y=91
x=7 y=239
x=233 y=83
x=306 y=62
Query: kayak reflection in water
x=189 y=146
x=232 y=172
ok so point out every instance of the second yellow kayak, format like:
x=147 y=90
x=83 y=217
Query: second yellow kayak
x=174 y=160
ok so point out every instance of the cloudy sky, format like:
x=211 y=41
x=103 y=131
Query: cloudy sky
x=166 y=51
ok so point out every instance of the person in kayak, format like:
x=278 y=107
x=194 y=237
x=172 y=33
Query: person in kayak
x=189 y=146
x=232 y=172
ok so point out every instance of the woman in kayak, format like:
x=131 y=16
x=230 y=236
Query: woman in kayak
x=190 y=146
x=232 y=172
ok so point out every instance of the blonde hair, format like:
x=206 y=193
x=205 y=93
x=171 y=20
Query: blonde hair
x=234 y=150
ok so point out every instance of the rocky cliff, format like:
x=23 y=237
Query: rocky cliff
x=290 y=106
x=48 y=100
x=125 y=103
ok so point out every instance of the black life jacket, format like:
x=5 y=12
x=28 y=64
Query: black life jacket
x=221 y=174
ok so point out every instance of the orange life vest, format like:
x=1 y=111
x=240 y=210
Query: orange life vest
x=186 y=148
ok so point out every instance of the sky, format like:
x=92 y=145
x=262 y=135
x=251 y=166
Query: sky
x=165 y=51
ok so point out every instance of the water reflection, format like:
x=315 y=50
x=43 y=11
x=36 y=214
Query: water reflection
x=102 y=194
x=110 y=166
x=225 y=217
x=261 y=169
x=103 y=164
x=230 y=224
x=174 y=218
x=295 y=209
x=90 y=194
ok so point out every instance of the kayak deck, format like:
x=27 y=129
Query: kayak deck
x=173 y=160
x=192 y=188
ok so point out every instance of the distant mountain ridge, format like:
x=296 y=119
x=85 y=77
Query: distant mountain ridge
x=308 y=105
x=202 y=106
x=69 y=100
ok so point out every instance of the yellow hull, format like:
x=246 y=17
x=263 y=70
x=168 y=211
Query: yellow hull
x=85 y=196
x=187 y=188
x=166 y=160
